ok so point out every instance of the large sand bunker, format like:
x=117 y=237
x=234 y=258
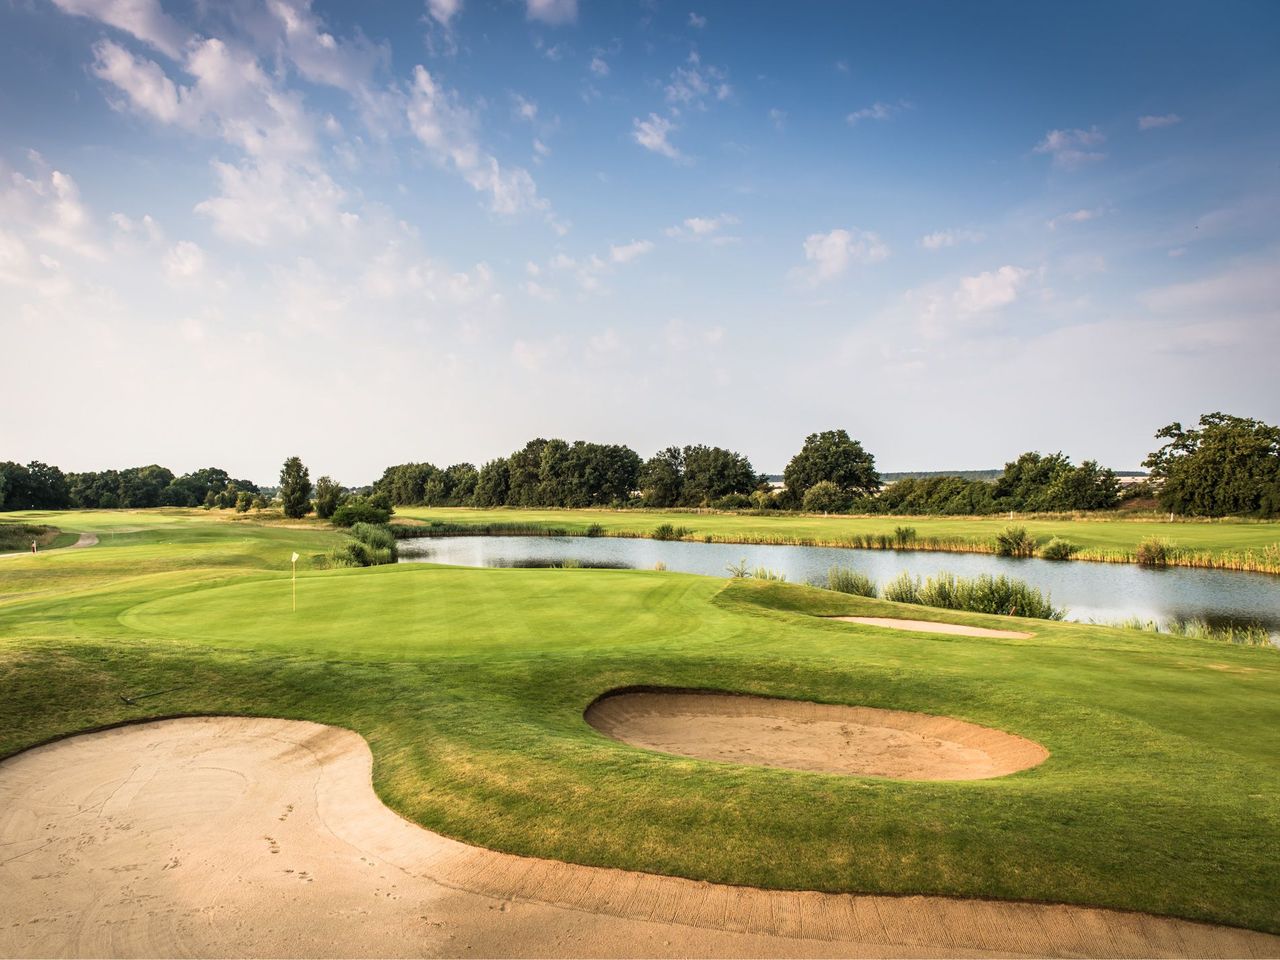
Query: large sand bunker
x=239 y=837
x=812 y=736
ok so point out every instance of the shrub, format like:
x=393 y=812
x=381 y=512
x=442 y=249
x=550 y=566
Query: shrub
x=1058 y=549
x=361 y=510
x=244 y=500
x=1154 y=552
x=732 y=501
x=739 y=570
x=666 y=531
x=904 y=588
x=904 y=536
x=1015 y=542
x=845 y=580
x=764 y=573
x=824 y=497
x=377 y=536
x=659 y=566
x=357 y=554
x=595 y=530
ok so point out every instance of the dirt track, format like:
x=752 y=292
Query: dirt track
x=223 y=836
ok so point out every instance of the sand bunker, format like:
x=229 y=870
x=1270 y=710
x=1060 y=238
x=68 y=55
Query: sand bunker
x=812 y=736
x=929 y=626
x=257 y=838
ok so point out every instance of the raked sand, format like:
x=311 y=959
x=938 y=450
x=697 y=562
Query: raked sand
x=258 y=837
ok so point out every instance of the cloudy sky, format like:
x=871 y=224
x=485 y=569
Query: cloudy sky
x=371 y=233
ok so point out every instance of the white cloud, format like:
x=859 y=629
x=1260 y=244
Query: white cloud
x=694 y=84
x=599 y=66
x=831 y=254
x=446 y=129
x=702 y=228
x=778 y=118
x=1156 y=122
x=877 y=111
x=318 y=55
x=552 y=11
x=537 y=291
x=989 y=291
x=696 y=21
x=48 y=205
x=185 y=261
x=627 y=252
x=652 y=135
x=443 y=11
x=1070 y=149
x=950 y=238
x=143 y=19
x=262 y=202
x=1075 y=216
x=525 y=109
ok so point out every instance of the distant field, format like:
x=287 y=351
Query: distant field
x=1161 y=794
x=1245 y=544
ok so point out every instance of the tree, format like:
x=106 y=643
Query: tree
x=460 y=480
x=524 y=474
x=295 y=488
x=832 y=456
x=662 y=478
x=493 y=484
x=711 y=473
x=1229 y=466
x=36 y=486
x=244 y=500
x=329 y=496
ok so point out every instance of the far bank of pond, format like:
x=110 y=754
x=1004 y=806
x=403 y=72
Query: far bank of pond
x=1089 y=591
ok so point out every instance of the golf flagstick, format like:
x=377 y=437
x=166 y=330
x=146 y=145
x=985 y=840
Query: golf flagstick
x=294 y=561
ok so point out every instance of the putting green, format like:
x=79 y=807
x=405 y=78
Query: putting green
x=1161 y=792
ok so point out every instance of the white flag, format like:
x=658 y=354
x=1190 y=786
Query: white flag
x=295 y=558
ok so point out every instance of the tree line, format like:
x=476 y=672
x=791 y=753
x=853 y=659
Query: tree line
x=1226 y=466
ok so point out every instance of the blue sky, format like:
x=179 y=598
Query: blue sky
x=371 y=233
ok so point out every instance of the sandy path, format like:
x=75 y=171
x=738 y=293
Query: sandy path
x=238 y=837
x=86 y=540
x=812 y=736
x=929 y=626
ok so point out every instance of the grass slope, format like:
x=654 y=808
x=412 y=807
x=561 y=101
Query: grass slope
x=1162 y=792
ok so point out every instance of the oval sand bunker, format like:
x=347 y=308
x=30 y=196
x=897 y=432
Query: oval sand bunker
x=816 y=737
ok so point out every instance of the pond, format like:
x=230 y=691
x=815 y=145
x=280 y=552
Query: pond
x=1102 y=592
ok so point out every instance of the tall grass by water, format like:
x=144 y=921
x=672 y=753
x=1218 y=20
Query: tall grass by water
x=981 y=594
x=847 y=580
x=1245 y=635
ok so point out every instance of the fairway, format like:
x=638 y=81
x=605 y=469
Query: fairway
x=1160 y=791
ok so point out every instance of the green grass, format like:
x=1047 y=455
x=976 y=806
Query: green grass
x=1162 y=792
x=1228 y=544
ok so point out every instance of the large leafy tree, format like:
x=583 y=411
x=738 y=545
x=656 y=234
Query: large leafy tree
x=714 y=472
x=329 y=496
x=832 y=456
x=1226 y=466
x=493 y=483
x=295 y=488
x=36 y=486
x=662 y=478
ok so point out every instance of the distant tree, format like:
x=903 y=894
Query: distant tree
x=329 y=496
x=1228 y=466
x=1025 y=483
x=833 y=457
x=295 y=488
x=711 y=473
x=524 y=474
x=1086 y=487
x=36 y=486
x=210 y=500
x=460 y=481
x=371 y=509
x=259 y=502
x=244 y=500
x=825 y=497
x=662 y=478
x=493 y=484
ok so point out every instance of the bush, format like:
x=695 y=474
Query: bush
x=764 y=573
x=357 y=554
x=1058 y=549
x=1154 y=552
x=904 y=588
x=666 y=531
x=595 y=530
x=824 y=497
x=1015 y=542
x=845 y=580
x=739 y=570
x=361 y=510
x=732 y=501
x=373 y=535
x=904 y=536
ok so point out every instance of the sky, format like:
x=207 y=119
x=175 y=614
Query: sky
x=368 y=234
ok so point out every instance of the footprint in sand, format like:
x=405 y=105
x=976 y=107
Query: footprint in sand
x=275 y=847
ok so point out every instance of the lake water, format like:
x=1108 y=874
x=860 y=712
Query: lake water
x=1090 y=591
